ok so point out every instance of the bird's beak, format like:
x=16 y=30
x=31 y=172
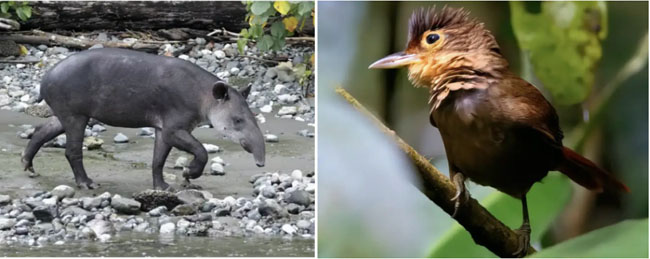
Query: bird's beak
x=396 y=60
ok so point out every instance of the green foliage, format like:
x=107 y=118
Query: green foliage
x=625 y=239
x=545 y=201
x=22 y=10
x=283 y=17
x=563 y=42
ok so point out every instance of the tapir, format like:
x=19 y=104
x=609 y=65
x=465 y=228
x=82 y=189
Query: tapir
x=127 y=88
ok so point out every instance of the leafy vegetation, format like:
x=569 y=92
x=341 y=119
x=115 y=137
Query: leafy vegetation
x=563 y=41
x=271 y=22
x=11 y=9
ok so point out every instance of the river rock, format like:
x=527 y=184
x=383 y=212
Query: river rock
x=74 y=211
x=6 y=223
x=192 y=197
x=120 y=138
x=286 y=228
x=293 y=208
x=63 y=191
x=91 y=202
x=158 y=211
x=271 y=138
x=296 y=174
x=93 y=143
x=5 y=199
x=98 y=128
x=151 y=199
x=167 y=228
x=100 y=228
x=287 y=110
x=26 y=215
x=45 y=213
x=181 y=162
x=125 y=205
x=184 y=210
x=217 y=169
x=211 y=148
x=298 y=197
x=146 y=132
x=39 y=110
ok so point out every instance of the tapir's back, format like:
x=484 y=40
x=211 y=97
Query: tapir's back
x=122 y=82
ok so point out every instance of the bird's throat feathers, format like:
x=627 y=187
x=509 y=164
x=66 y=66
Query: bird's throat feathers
x=455 y=70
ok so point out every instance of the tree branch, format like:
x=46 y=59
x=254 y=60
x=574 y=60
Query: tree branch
x=485 y=229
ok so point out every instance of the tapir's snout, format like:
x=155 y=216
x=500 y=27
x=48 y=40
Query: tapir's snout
x=257 y=148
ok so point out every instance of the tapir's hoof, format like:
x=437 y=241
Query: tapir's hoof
x=89 y=185
x=188 y=174
x=33 y=174
x=163 y=187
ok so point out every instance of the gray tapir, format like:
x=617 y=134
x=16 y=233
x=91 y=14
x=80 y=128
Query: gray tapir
x=126 y=88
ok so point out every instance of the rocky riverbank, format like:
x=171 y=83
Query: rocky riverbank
x=280 y=205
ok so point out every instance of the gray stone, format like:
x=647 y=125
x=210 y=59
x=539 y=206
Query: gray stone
x=303 y=224
x=183 y=210
x=157 y=212
x=192 y=197
x=93 y=143
x=5 y=199
x=151 y=199
x=125 y=205
x=222 y=212
x=287 y=110
x=26 y=215
x=268 y=192
x=286 y=228
x=63 y=191
x=298 y=197
x=271 y=138
x=98 y=128
x=211 y=148
x=120 y=138
x=6 y=223
x=58 y=50
x=181 y=162
x=167 y=228
x=100 y=227
x=217 y=169
x=293 y=208
x=45 y=213
x=91 y=202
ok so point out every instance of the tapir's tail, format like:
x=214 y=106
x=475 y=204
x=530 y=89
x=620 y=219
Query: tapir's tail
x=588 y=174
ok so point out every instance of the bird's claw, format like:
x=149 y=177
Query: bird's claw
x=523 y=234
x=461 y=194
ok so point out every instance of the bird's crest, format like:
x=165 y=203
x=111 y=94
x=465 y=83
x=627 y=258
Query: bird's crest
x=424 y=20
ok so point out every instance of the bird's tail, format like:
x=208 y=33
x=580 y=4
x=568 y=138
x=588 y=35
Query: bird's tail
x=588 y=174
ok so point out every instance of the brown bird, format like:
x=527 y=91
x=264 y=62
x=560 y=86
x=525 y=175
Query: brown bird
x=498 y=129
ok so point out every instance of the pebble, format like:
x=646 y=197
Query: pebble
x=287 y=110
x=217 y=169
x=45 y=213
x=296 y=174
x=271 y=138
x=219 y=54
x=146 y=132
x=298 y=197
x=183 y=210
x=98 y=128
x=4 y=200
x=181 y=162
x=63 y=191
x=125 y=205
x=211 y=148
x=6 y=223
x=266 y=108
x=286 y=228
x=167 y=228
x=120 y=138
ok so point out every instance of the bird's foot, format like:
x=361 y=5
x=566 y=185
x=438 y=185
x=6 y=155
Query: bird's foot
x=523 y=234
x=461 y=193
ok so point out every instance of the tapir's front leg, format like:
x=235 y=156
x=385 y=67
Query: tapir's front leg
x=183 y=140
x=160 y=151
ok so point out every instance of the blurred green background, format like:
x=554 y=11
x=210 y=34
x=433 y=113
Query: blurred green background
x=368 y=206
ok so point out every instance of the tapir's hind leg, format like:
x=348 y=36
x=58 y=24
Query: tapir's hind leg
x=74 y=126
x=43 y=133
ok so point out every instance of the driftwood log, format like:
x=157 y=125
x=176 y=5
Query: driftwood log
x=139 y=15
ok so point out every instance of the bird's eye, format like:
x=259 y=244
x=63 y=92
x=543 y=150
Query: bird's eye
x=433 y=37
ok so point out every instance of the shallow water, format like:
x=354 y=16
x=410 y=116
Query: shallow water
x=139 y=244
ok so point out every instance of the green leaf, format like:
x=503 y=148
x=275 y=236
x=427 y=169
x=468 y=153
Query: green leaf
x=244 y=33
x=545 y=201
x=256 y=31
x=240 y=45
x=27 y=10
x=278 y=30
x=625 y=239
x=260 y=7
x=278 y=43
x=260 y=19
x=265 y=43
x=21 y=14
x=305 y=8
x=4 y=7
x=563 y=42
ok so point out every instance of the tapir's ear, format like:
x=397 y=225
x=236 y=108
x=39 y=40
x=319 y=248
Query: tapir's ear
x=247 y=90
x=220 y=91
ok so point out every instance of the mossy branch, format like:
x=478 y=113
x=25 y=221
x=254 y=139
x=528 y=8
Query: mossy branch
x=485 y=229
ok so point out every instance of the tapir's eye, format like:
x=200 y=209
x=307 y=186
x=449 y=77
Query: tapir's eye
x=238 y=120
